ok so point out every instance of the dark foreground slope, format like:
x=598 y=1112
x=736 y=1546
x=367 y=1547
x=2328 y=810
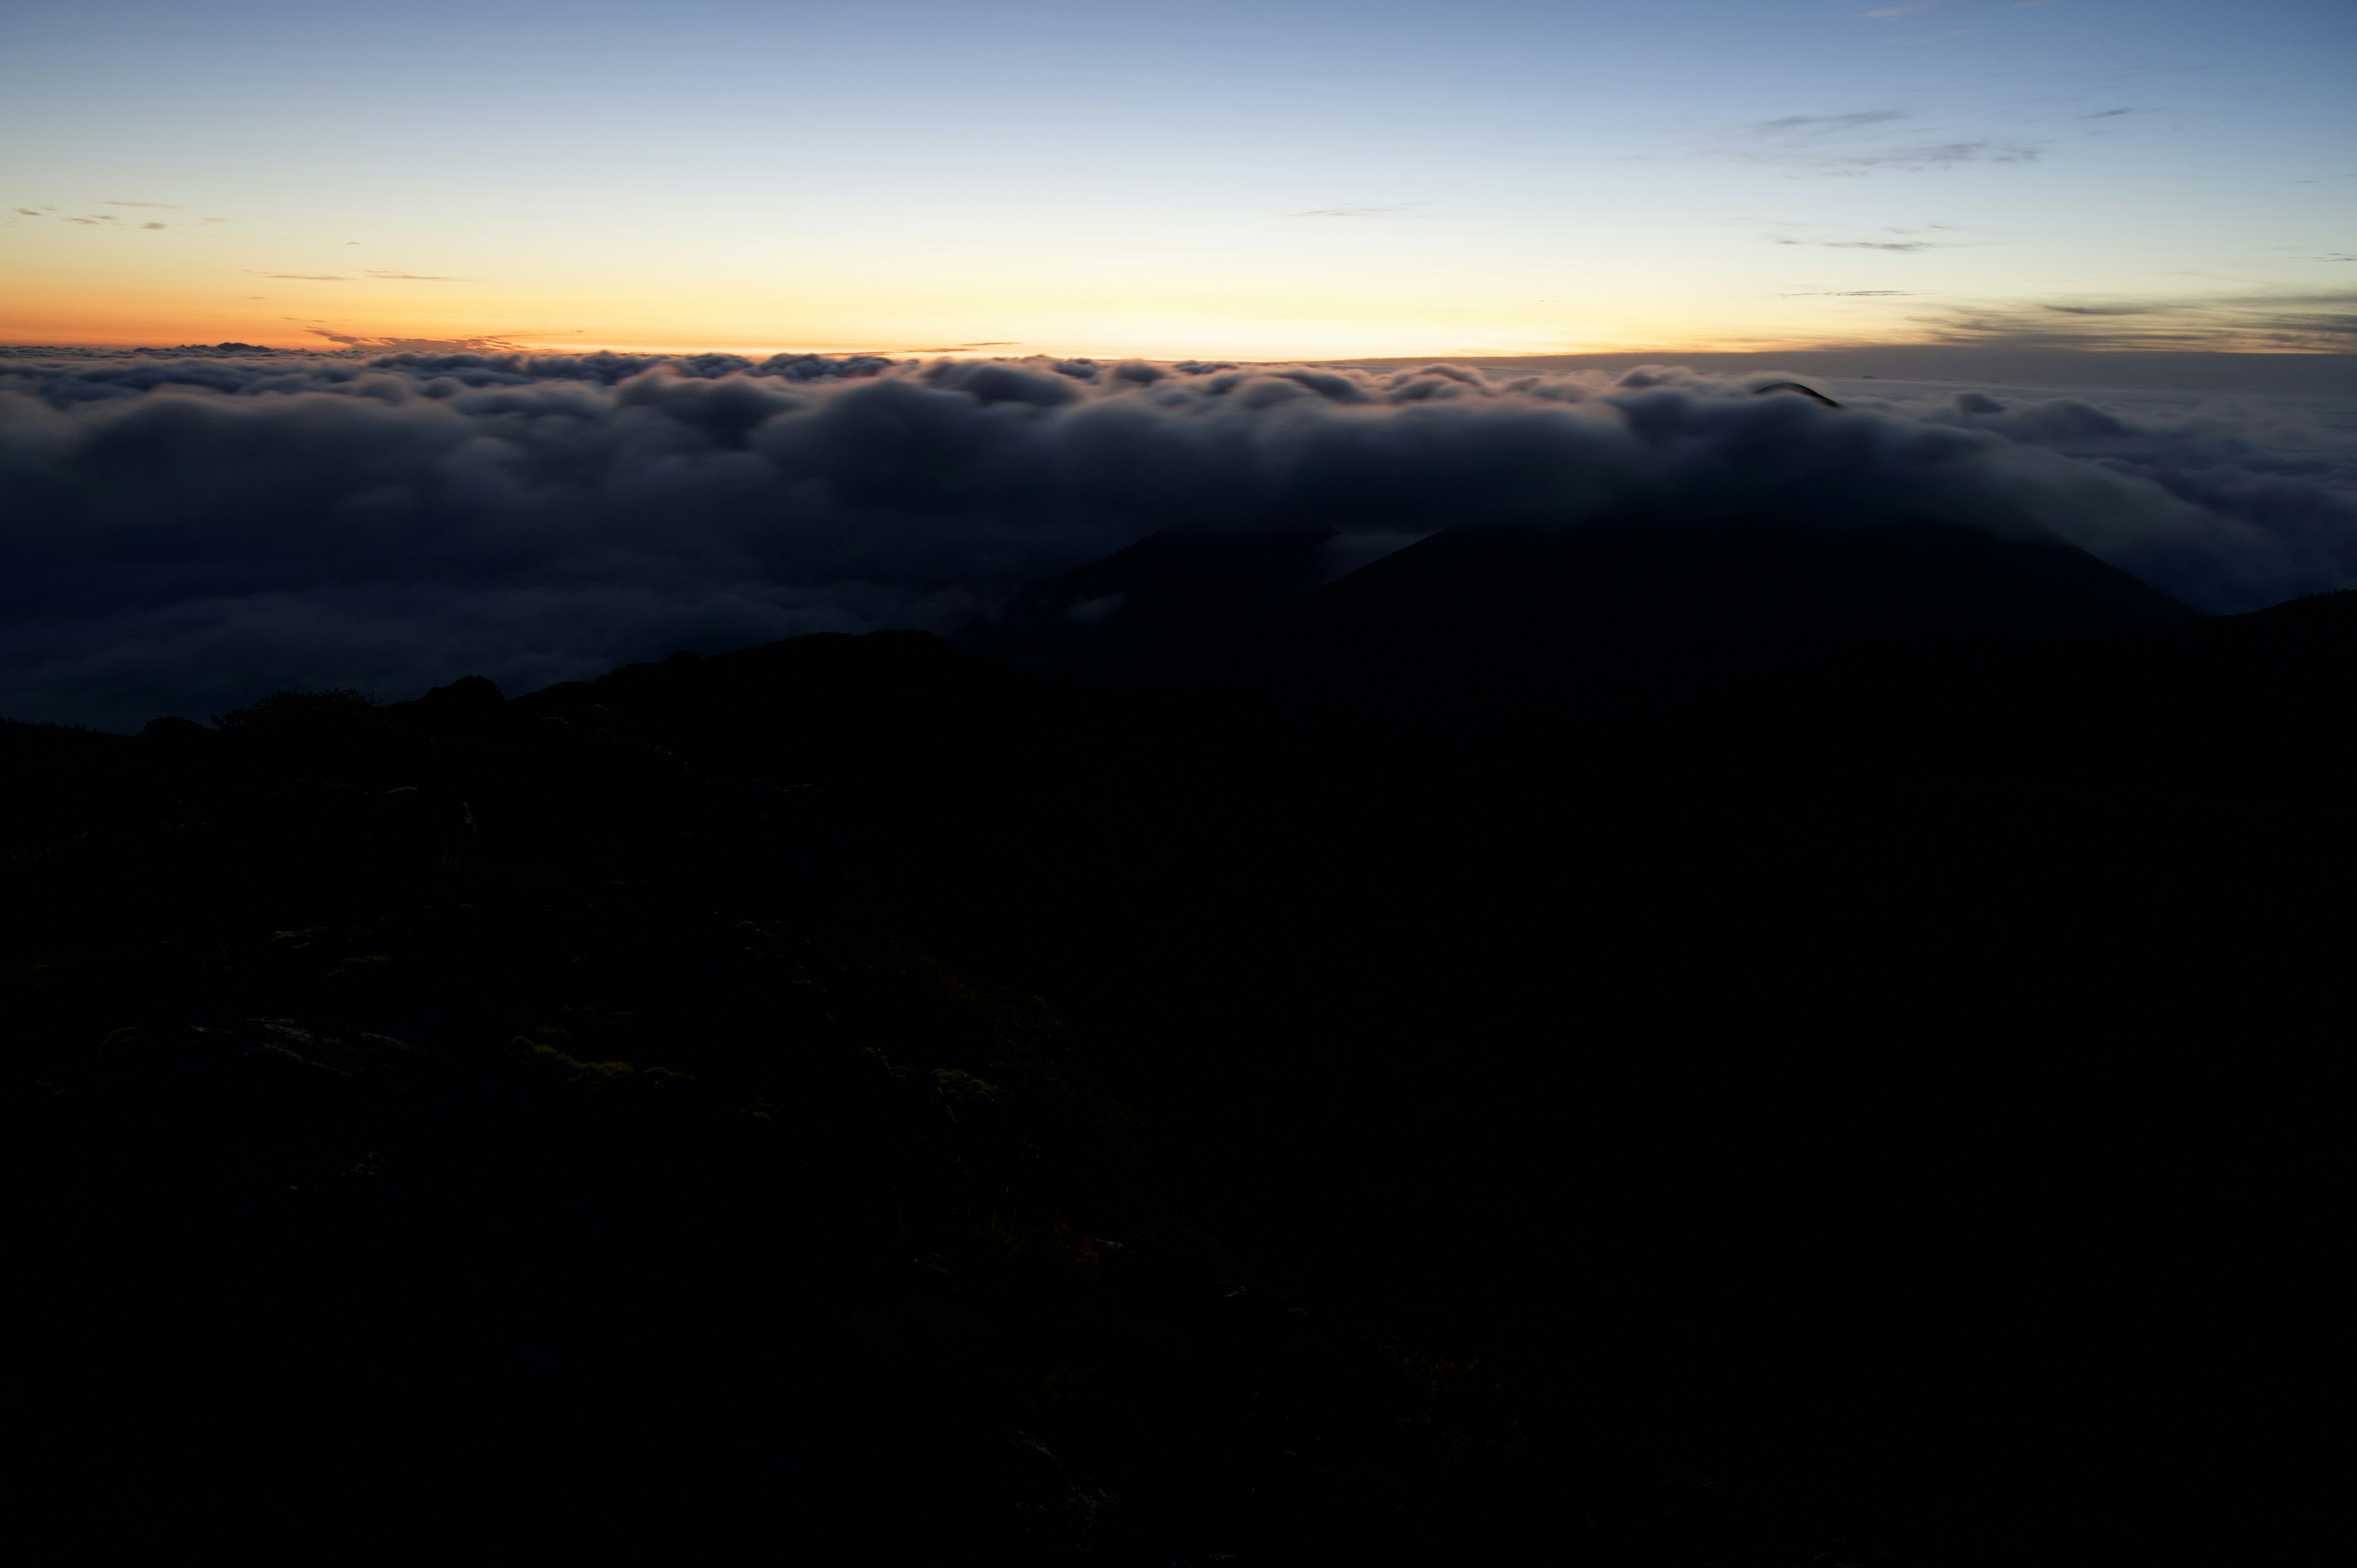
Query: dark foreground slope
x=1862 y=1104
x=553 y=1128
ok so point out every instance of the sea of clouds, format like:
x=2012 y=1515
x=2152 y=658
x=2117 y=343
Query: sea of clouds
x=182 y=533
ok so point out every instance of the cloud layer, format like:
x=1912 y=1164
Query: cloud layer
x=185 y=534
x=2266 y=321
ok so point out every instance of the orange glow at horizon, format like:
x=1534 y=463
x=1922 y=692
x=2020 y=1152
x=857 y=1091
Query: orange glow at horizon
x=1300 y=294
x=320 y=315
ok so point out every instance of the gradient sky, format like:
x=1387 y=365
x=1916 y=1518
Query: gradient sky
x=1270 y=179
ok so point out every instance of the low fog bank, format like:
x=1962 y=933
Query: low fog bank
x=184 y=534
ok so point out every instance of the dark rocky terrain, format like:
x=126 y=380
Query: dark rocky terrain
x=1638 y=1046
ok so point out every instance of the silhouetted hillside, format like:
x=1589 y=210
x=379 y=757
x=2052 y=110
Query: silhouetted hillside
x=1557 y=615
x=1333 y=1094
x=1167 y=582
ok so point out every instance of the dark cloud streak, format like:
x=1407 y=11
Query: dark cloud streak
x=1826 y=125
x=1939 y=155
x=1393 y=209
x=2269 y=321
x=1831 y=144
x=1898 y=245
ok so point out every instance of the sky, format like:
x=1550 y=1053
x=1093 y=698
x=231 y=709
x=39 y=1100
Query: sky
x=1270 y=180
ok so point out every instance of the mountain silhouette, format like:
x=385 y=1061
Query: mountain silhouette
x=1169 y=582
x=1624 y=1047
x=1569 y=613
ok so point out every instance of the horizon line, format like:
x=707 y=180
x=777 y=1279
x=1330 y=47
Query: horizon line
x=494 y=344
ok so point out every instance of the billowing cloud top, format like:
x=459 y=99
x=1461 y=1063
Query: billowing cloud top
x=183 y=534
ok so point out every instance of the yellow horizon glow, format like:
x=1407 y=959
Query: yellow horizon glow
x=113 y=285
x=163 y=318
x=1297 y=295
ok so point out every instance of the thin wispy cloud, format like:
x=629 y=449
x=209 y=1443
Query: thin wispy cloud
x=936 y=348
x=1849 y=144
x=1901 y=239
x=414 y=277
x=1391 y=210
x=1934 y=155
x=1901 y=247
x=114 y=203
x=1826 y=125
x=2256 y=322
x=418 y=345
x=1892 y=13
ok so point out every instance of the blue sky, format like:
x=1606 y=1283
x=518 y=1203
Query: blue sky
x=1263 y=181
